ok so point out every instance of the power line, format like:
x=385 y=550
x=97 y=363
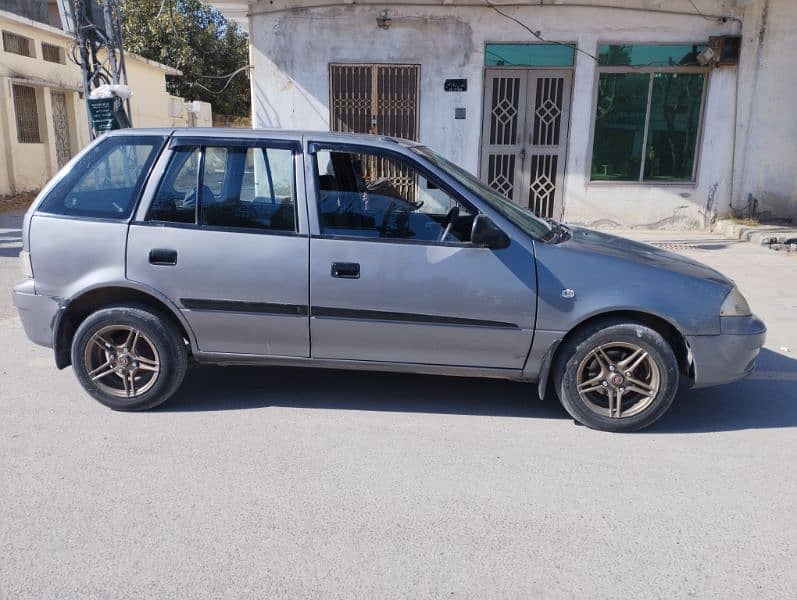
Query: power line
x=225 y=76
x=706 y=17
x=537 y=34
x=229 y=77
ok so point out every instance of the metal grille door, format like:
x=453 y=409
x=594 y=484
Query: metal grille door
x=526 y=113
x=350 y=98
x=380 y=99
x=63 y=146
x=502 y=136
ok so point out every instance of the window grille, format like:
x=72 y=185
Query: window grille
x=17 y=44
x=53 y=53
x=27 y=114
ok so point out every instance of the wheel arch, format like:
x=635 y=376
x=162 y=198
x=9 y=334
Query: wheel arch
x=671 y=333
x=73 y=311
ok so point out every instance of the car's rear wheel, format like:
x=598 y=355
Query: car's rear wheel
x=129 y=357
x=617 y=376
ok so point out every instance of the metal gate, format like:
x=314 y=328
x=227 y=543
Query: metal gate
x=63 y=146
x=381 y=99
x=524 y=136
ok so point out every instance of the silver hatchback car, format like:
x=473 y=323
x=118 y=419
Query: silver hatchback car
x=153 y=247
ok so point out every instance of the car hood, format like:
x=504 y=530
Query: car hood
x=590 y=240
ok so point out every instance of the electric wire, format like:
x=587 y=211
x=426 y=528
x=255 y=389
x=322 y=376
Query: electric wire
x=697 y=10
x=537 y=34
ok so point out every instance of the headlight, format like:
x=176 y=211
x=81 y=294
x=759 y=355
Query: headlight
x=24 y=263
x=735 y=305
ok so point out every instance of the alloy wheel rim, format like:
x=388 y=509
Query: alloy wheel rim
x=618 y=380
x=121 y=361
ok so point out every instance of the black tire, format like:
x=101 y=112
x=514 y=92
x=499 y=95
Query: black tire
x=574 y=353
x=166 y=339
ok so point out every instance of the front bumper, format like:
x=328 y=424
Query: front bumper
x=729 y=356
x=36 y=312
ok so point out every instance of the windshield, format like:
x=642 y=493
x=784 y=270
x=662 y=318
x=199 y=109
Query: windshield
x=522 y=217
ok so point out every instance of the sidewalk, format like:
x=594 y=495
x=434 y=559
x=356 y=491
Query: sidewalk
x=761 y=233
x=726 y=233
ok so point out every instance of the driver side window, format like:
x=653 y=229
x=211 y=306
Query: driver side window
x=375 y=196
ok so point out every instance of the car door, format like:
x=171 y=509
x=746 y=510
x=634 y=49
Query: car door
x=393 y=276
x=224 y=237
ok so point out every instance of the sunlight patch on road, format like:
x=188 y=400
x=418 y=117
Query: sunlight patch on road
x=774 y=375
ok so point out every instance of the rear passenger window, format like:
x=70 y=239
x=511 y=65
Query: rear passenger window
x=106 y=181
x=238 y=187
x=175 y=200
x=250 y=188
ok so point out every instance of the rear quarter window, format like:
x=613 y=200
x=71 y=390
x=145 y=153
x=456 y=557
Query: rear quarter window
x=107 y=180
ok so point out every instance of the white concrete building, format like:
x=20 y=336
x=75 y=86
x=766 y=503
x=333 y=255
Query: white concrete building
x=613 y=121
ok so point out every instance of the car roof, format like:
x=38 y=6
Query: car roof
x=229 y=132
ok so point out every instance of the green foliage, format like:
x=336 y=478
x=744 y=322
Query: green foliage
x=196 y=39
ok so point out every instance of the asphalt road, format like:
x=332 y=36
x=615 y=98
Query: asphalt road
x=272 y=483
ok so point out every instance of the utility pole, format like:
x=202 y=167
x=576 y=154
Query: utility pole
x=98 y=51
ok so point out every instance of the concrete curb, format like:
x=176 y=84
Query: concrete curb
x=765 y=235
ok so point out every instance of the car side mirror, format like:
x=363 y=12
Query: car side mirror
x=486 y=234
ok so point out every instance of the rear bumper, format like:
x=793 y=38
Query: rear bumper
x=729 y=356
x=37 y=313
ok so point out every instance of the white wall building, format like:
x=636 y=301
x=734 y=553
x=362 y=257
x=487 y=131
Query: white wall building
x=643 y=136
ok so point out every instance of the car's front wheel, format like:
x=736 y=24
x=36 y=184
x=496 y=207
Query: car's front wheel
x=129 y=357
x=617 y=376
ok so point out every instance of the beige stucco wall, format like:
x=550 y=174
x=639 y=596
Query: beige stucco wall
x=151 y=105
x=27 y=166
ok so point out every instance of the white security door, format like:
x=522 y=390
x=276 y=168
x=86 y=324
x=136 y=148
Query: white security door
x=503 y=126
x=524 y=136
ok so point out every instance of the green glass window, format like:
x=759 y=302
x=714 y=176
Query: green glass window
x=529 y=55
x=647 y=118
x=620 y=126
x=674 y=121
x=649 y=55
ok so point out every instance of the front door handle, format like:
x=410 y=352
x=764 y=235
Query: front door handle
x=162 y=256
x=346 y=270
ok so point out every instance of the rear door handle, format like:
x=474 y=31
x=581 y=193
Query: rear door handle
x=162 y=256
x=346 y=270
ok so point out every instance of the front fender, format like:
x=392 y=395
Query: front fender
x=577 y=282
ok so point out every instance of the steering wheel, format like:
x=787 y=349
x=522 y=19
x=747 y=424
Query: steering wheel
x=452 y=215
x=189 y=200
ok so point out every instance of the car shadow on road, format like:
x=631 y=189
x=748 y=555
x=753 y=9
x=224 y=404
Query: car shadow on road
x=763 y=401
x=208 y=388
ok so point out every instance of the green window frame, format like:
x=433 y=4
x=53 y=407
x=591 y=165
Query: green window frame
x=648 y=115
x=507 y=54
